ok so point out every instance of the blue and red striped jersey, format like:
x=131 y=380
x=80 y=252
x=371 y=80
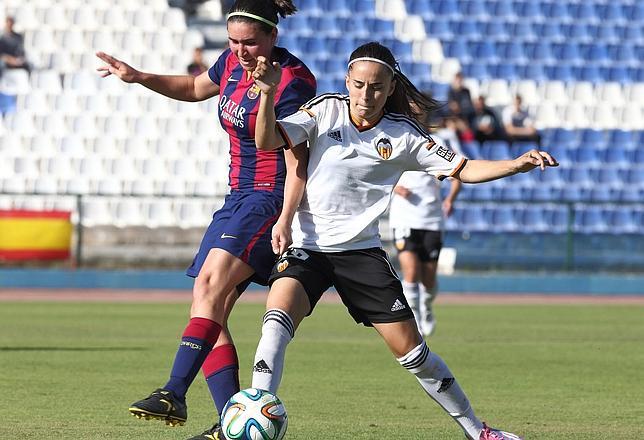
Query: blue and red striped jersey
x=251 y=169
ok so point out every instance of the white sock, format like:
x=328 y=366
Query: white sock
x=439 y=383
x=277 y=332
x=411 y=292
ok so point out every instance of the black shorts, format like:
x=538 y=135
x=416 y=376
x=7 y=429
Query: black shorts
x=426 y=244
x=365 y=280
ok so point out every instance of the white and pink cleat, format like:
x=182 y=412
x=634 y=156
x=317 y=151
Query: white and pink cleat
x=495 y=434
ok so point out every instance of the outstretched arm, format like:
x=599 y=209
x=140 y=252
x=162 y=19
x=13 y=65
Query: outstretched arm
x=477 y=171
x=180 y=87
x=267 y=76
x=296 y=163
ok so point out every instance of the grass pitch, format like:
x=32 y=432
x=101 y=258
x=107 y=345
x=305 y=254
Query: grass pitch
x=70 y=370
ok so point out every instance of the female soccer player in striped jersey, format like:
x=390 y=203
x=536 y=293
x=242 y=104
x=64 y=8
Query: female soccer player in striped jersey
x=235 y=249
x=358 y=147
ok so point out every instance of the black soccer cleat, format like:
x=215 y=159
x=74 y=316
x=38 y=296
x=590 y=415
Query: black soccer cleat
x=214 y=433
x=161 y=405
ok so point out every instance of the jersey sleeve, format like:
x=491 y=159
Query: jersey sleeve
x=302 y=125
x=295 y=94
x=216 y=70
x=433 y=157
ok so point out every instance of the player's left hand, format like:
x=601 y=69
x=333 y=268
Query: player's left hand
x=267 y=75
x=448 y=208
x=281 y=238
x=534 y=158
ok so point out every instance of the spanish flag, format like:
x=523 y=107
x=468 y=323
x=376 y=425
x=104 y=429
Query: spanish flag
x=35 y=235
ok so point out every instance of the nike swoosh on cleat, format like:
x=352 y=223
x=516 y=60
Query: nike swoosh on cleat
x=224 y=235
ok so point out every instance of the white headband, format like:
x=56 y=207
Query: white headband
x=248 y=14
x=375 y=60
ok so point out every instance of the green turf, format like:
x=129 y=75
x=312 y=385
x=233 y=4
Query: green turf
x=69 y=371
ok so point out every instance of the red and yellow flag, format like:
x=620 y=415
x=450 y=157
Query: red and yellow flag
x=35 y=235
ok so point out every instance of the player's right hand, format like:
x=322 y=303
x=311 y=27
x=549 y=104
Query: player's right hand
x=267 y=75
x=116 y=67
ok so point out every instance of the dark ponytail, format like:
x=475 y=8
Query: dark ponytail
x=269 y=10
x=406 y=98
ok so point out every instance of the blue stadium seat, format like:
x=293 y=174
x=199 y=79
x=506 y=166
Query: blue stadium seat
x=500 y=9
x=476 y=70
x=634 y=12
x=590 y=219
x=622 y=221
x=342 y=46
x=603 y=32
x=381 y=28
x=484 y=50
x=556 y=218
x=615 y=154
x=584 y=11
x=578 y=176
x=555 y=10
x=634 y=177
x=618 y=74
x=502 y=218
x=457 y=49
x=340 y=8
x=594 y=139
x=622 y=53
x=630 y=194
x=402 y=50
x=611 y=12
x=596 y=53
x=327 y=25
x=356 y=26
x=506 y=71
x=568 y=51
x=588 y=72
x=631 y=33
x=482 y=193
x=534 y=71
x=532 y=218
x=446 y=8
x=560 y=72
x=607 y=177
x=512 y=51
x=336 y=67
x=473 y=9
x=467 y=29
x=311 y=7
x=540 y=51
x=420 y=7
x=549 y=30
x=576 y=31
x=439 y=28
x=439 y=91
x=510 y=193
x=521 y=30
x=473 y=219
x=297 y=24
x=471 y=150
x=365 y=8
x=624 y=138
x=326 y=85
x=565 y=137
x=495 y=150
x=603 y=194
x=528 y=9
x=638 y=155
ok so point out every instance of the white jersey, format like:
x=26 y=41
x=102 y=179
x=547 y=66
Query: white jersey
x=423 y=208
x=352 y=171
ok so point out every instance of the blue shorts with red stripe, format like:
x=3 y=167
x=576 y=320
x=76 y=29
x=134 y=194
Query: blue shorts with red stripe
x=243 y=227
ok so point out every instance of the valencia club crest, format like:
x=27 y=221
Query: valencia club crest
x=384 y=148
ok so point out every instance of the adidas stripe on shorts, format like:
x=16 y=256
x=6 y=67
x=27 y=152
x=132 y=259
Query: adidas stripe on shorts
x=365 y=280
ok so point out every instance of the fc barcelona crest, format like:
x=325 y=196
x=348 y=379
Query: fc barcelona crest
x=253 y=92
x=384 y=148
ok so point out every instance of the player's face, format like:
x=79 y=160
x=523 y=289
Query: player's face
x=369 y=85
x=247 y=41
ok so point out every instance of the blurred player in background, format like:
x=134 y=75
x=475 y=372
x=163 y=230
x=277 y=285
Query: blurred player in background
x=416 y=218
x=359 y=146
x=236 y=248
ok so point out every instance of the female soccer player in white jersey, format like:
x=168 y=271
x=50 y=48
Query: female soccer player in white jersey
x=358 y=147
x=416 y=217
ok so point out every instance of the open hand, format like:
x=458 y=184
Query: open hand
x=116 y=67
x=267 y=75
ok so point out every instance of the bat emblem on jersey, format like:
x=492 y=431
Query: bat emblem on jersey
x=253 y=92
x=384 y=148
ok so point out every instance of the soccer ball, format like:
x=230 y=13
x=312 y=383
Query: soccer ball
x=254 y=414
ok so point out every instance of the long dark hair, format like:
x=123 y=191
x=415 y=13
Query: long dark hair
x=267 y=9
x=406 y=98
